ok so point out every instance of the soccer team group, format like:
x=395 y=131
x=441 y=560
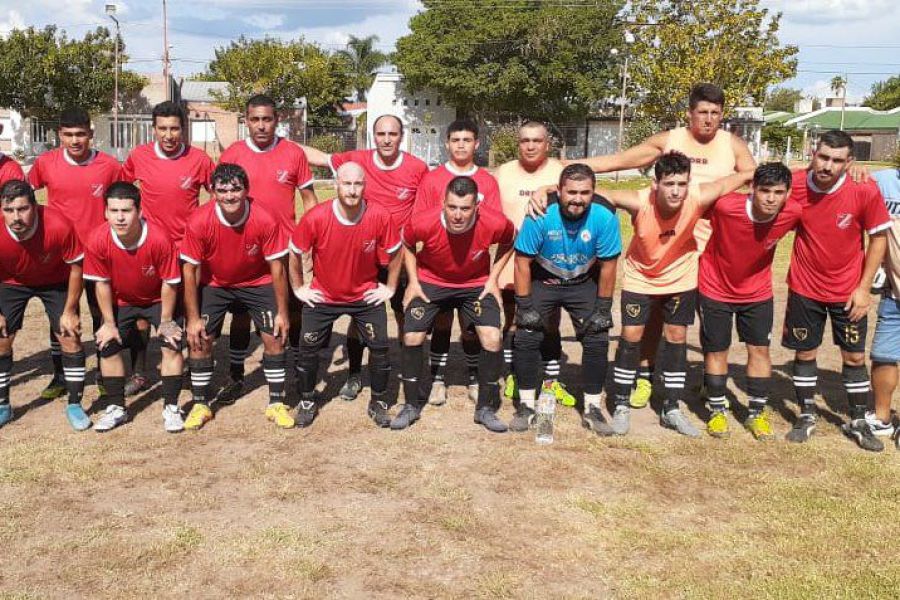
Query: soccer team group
x=505 y=252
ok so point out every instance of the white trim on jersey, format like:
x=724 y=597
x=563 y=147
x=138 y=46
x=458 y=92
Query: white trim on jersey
x=394 y=248
x=379 y=164
x=882 y=227
x=837 y=185
x=78 y=258
x=137 y=244
x=344 y=220
x=75 y=163
x=94 y=277
x=749 y=207
x=277 y=255
x=259 y=150
x=162 y=155
x=471 y=172
x=466 y=230
x=28 y=234
x=240 y=222
x=187 y=258
x=173 y=281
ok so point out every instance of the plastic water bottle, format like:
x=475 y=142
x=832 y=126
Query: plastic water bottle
x=545 y=410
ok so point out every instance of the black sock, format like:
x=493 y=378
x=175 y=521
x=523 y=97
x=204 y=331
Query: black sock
x=594 y=362
x=274 y=368
x=806 y=376
x=236 y=358
x=472 y=349
x=412 y=369
x=856 y=382
x=6 y=363
x=115 y=391
x=171 y=389
x=715 y=391
x=508 y=337
x=489 y=364
x=201 y=375
x=758 y=392
x=138 y=346
x=307 y=371
x=354 y=355
x=645 y=372
x=379 y=373
x=56 y=359
x=674 y=368
x=628 y=356
x=73 y=372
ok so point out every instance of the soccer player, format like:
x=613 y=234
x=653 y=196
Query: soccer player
x=232 y=252
x=171 y=174
x=9 y=168
x=518 y=180
x=452 y=270
x=885 y=350
x=735 y=285
x=76 y=177
x=135 y=267
x=661 y=269
x=40 y=257
x=275 y=167
x=461 y=144
x=557 y=260
x=346 y=239
x=831 y=276
x=392 y=181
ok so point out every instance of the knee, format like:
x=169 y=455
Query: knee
x=414 y=338
x=70 y=344
x=272 y=344
x=854 y=359
x=490 y=339
x=676 y=334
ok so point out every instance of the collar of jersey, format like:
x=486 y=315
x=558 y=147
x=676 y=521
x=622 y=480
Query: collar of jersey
x=259 y=150
x=137 y=244
x=383 y=167
x=344 y=220
x=164 y=156
x=831 y=190
x=449 y=166
x=240 y=222
x=75 y=163
x=28 y=234
x=469 y=228
x=749 y=207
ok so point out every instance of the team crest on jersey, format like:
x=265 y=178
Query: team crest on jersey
x=46 y=258
x=417 y=312
x=187 y=181
x=404 y=193
x=368 y=246
x=252 y=249
x=148 y=270
x=281 y=175
x=844 y=220
x=97 y=190
x=800 y=333
x=585 y=236
x=633 y=310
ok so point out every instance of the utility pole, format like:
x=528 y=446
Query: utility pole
x=111 y=12
x=166 y=52
x=843 y=99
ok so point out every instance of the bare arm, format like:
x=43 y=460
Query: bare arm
x=191 y=295
x=743 y=160
x=295 y=270
x=105 y=302
x=280 y=285
x=629 y=200
x=636 y=157
x=393 y=270
x=69 y=322
x=309 y=199
x=607 y=283
x=712 y=191
x=861 y=298
x=522 y=275
x=168 y=296
x=316 y=157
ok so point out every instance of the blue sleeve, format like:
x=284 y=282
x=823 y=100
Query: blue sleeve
x=609 y=238
x=530 y=238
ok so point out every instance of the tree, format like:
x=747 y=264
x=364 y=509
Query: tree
x=884 y=95
x=777 y=134
x=838 y=84
x=540 y=59
x=286 y=71
x=364 y=60
x=783 y=98
x=732 y=43
x=43 y=72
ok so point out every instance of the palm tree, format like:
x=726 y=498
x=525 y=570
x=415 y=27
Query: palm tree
x=364 y=60
x=838 y=83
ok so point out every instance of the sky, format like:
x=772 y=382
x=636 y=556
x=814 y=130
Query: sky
x=853 y=37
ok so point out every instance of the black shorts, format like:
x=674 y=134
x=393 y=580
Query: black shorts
x=127 y=318
x=14 y=299
x=420 y=315
x=753 y=321
x=678 y=309
x=577 y=299
x=804 y=325
x=370 y=321
x=402 y=282
x=259 y=301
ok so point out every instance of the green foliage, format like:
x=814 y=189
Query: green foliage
x=42 y=71
x=732 y=43
x=639 y=129
x=530 y=58
x=504 y=144
x=287 y=71
x=330 y=144
x=838 y=84
x=783 y=98
x=885 y=95
x=777 y=134
x=363 y=60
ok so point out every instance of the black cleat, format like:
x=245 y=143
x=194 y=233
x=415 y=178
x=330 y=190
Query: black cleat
x=860 y=432
x=378 y=412
x=230 y=392
x=594 y=420
x=802 y=430
x=523 y=419
x=307 y=411
x=351 y=388
x=409 y=414
x=487 y=417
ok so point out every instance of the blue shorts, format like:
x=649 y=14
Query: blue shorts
x=886 y=345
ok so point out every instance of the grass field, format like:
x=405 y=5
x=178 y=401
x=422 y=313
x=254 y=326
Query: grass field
x=444 y=509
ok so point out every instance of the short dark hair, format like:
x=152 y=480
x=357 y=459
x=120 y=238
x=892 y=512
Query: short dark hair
x=170 y=109
x=17 y=188
x=260 y=100
x=706 y=92
x=835 y=138
x=576 y=172
x=462 y=125
x=772 y=173
x=229 y=173
x=74 y=117
x=462 y=186
x=123 y=191
x=380 y=117
x=671 y=163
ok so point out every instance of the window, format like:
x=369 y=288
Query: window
x=427 y=102
x=132 y=131
x=438 y=103
x=42 y=132
x=416 y=102
x=203 y=131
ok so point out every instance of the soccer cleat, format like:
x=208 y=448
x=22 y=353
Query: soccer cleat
x=277 y=412
x=173 y=421
x=472 y=392
x=640 y=395
x=594 y=420
x=879 y=427
x=378 y=412
x=409 y=414
x=621 y=419
x=438 y=395
x=717 y=426
x=136 y=384
x=198 y=417
x=230 y=392
x=858 y=431
x=511 y=388
x=351 y=388
x=523 y=418
x=758 y=425
x=307 y=411
x=562 y=394
x=54 y=389
x=803 y=429
x=675 y=419
x=488 y=417
x=112 y=417
x=5 y=413
x=78 y=419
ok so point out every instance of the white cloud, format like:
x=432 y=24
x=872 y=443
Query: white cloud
x=831 y=11
x=821 y=89
x=265 y=22
x=13 y=20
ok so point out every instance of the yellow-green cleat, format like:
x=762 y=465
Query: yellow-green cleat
x=758 y=425
x=511 y=389
x=641 y=394
x=562 y=394
x=54 y=389
x=717 y=426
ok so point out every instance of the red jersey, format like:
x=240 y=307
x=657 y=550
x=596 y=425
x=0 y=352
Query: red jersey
x=345 y=253
x=456 y=260
x=828 y=255
x=9 y=169
x=274 y=173
x=170 y=186
x=43 y=257
x=135 y=273
x=233 y=255
x=737 y=263
x=434 y=187
x=394 y=187
x=76 y=189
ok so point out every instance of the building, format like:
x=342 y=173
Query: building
x=875 y=133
